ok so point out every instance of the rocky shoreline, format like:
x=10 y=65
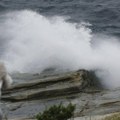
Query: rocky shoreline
x=26 y=99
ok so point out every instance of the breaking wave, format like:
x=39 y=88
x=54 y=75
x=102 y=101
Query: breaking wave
x=31 y=42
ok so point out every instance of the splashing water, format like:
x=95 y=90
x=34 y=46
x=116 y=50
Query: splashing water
x=33 y=43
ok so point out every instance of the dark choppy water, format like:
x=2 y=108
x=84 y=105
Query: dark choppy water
x=104 y=15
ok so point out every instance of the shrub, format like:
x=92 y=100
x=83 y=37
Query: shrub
x=57 y=112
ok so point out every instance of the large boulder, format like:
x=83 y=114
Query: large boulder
x=51 y=86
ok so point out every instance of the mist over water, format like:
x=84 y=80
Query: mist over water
x=33 y=43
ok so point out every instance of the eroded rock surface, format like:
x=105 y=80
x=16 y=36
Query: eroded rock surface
x=42 y=88
x=25 y=99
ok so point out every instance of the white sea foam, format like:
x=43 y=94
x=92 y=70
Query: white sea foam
x=34 y=42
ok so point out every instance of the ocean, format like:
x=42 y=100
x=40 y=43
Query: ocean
x=62 y=34
x=103 y=15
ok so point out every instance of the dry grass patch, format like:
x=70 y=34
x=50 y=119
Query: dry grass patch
x=113 y=117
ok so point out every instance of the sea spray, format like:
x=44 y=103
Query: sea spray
x=33 y=43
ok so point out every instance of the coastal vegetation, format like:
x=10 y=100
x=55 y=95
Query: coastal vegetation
x=113 y=117
x=57 y=112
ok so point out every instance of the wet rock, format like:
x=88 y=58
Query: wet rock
x=65 y=84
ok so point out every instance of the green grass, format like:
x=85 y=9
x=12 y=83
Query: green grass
x=57 y=112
